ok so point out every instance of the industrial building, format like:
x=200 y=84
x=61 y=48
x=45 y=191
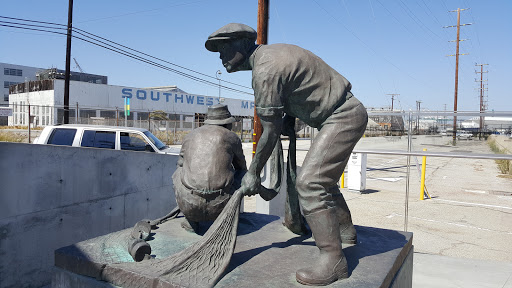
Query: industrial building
x=91 y=101
x=490 y=123
x=14 y=74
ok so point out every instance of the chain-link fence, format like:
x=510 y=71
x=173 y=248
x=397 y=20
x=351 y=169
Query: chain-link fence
x=171 y=127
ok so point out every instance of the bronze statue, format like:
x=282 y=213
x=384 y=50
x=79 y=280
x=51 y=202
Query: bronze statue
x=293 y=82
x=210 y=168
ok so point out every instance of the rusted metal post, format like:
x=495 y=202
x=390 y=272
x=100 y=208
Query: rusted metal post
x=454 y=137
x=262 y=39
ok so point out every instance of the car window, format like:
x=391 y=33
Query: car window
x=62 y=136
x=133 y=142
x=99 y=139
x=155 y=140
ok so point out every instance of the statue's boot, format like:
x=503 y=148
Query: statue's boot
x=347 y=230
x=331 y=265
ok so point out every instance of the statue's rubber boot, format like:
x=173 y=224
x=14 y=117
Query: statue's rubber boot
x=348 y=232
x=331 y=265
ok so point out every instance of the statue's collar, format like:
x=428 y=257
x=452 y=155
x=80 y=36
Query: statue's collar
x=251 y=58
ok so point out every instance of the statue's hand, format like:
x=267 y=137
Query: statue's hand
x=250 y=184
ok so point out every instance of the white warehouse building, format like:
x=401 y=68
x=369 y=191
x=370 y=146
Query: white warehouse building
x=100 y=101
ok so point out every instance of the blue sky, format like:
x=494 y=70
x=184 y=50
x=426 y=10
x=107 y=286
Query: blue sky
x=380 y=46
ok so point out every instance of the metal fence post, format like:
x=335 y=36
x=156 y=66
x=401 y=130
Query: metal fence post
x=409 y=146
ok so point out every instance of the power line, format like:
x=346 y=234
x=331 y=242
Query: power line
x=117 y=50
x=74 y=28
x=420 y=24
x=367 y=46
x=184 y=68
x=33 y=21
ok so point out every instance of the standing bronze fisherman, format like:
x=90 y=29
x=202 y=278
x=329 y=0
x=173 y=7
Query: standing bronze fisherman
x=293 y=82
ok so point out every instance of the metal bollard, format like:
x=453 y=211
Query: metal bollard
x=423 y=168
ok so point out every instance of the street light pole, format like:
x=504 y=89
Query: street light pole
x=217 y=75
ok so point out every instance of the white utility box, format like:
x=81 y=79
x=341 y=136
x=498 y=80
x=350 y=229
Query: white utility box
x=357 y=172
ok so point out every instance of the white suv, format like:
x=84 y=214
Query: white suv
x=109 y=137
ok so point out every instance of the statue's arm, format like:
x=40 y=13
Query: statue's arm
x=238 y=157
x=272 y=126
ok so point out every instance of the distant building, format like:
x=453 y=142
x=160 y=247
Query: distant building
x=54 y=73
x=14 y=74
x=394 y=123
x=90 y=101
x=491 y=123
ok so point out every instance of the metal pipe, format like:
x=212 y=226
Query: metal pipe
x=409 y=148
x=431 y=154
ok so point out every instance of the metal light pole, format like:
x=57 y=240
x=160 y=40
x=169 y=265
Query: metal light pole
x=217 y=75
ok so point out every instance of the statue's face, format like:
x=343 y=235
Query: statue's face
x=232 y=54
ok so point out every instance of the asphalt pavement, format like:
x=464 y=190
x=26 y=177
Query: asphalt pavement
x=463 y=234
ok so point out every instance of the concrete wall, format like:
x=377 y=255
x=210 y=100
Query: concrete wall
x=53 y=196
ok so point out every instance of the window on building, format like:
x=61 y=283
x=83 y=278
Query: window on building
x=133 y=142
x=99 y=139
x=62 y=136
x=13 y=72
x=6 y=97
x=8 y=83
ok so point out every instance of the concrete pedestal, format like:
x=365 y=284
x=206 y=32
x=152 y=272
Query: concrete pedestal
x=266 y=255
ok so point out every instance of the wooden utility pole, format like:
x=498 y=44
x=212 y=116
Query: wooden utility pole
x=456 y=70
x=262 y=40
x=392 y=99
x=482 y=106
x=68 y=63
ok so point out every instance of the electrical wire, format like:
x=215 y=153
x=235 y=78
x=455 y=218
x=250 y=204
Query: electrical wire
x=184 y=68
x=118 y=50
x=368 y=47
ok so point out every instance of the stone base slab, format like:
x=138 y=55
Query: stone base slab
x=266 y=255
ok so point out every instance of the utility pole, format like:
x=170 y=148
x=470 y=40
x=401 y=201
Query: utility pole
x=456 y=70
x=68 y=63
x=392 y=99
x=482 y=107
x=418 y=107
x=262 y=40
x=217 y=75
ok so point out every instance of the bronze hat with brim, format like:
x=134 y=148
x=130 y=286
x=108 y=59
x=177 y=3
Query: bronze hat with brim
x=229 y=32
x=219 y=115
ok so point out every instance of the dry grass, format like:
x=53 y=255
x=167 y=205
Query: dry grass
x=503 y=165
x=6 y=136
x=170 y=138
x=20 y=127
